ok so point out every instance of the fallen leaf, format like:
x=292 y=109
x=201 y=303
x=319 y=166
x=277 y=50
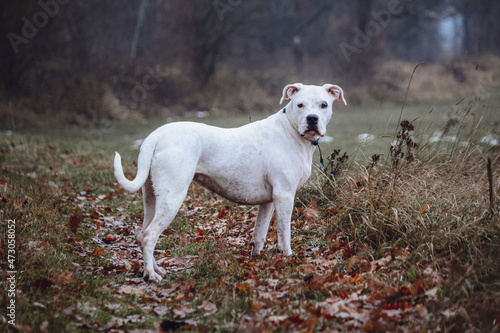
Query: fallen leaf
x=432 y=293
x=177 y=263
x=382 y=262
x=393 y=313
x=110 y=238
x=180 y=311
x=74 y=222
x=425 y=208
x=131 y=290
x=113 y=306
x=241 y=288
x=358 y=265
x=208 y=306
x=18 y=204
x=278 y=319
x=63 y=278
x=160 y=310
x=316 y=281
x=312 y=211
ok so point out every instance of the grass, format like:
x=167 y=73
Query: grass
x=415 y=237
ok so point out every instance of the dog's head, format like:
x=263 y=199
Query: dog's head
x=310 y=108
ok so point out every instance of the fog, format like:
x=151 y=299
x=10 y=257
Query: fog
x=75 y=61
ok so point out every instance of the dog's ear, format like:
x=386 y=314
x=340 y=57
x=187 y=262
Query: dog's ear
x=290 y=90
x=336 y=92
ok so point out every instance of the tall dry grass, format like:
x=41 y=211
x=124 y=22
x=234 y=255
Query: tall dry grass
x=439 y=203
x=440 y=210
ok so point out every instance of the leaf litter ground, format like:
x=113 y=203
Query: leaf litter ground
x=213 y=283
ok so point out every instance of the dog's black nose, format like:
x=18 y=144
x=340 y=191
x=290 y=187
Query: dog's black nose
x=312 y=119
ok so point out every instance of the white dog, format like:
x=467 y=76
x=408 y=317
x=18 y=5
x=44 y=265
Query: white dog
x=262 y=163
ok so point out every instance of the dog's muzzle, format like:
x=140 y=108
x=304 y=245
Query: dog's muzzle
x=312 y=124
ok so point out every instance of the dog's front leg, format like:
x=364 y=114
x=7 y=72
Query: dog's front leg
x=261 y=227
x=283 y=203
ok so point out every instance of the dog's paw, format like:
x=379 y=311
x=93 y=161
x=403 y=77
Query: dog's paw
x=256 y=248
x=152 y=277
x=160 y=271
x=286 y=252
x=255 y=252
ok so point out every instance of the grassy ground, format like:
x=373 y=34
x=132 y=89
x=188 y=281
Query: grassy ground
x=393 y=244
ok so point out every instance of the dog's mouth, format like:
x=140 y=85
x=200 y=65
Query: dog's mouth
x=312 y=131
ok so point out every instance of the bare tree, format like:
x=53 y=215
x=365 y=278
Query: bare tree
x=141 y=13
x=480 y=25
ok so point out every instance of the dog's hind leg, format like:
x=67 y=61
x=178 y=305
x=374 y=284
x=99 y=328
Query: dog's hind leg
x=170 y=185
x=165 y=211
x=149 y=200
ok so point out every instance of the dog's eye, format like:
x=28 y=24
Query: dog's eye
x=324 y=105
x=300 y=105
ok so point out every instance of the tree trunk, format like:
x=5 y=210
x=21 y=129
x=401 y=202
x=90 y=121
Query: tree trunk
x=137 y=31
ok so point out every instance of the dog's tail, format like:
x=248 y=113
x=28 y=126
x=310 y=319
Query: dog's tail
x=143 y=165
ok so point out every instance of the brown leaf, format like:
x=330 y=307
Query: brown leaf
x=379 y=289
x=312 y=211
x=63 y=278
x=110 y=238
x=358 y=265
x=382 y=262
x=161 y=311
x=180 y=311
x=18 y=204
x=208 y=306
x=316 y=281
x=425 y=208
x=375 y=284
x=177 y=263
x=74 y=222
x=131 y=290
x=98 y=252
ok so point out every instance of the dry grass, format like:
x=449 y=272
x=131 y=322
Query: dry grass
x=436 y=206
x=445 y=204
x=434 y=209
x=450 y=80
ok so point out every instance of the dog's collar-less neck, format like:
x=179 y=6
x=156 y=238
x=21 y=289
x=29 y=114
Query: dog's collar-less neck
x=314 y=143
